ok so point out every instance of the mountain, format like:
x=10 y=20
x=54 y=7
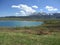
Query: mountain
x=46 y=15
x=40 y=15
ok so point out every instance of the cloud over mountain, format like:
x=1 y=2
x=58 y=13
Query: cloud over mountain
x=51 y=8
x=25 y=9
x=35 y=6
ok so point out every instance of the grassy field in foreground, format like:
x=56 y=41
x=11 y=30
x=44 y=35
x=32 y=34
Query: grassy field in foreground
x=14 y=38
x=46 y=34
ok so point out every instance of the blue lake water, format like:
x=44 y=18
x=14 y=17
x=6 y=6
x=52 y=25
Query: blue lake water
x=19 y=23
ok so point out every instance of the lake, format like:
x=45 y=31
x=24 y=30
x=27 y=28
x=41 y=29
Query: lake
x=19 y=23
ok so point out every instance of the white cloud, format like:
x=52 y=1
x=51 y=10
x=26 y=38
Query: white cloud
x=22 y=13
x=14 y=6
x=35 y=6
x=27 y=10
x=51 y=8
x=17 y=13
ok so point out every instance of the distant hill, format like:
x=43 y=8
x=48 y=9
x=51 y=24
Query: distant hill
x=38 y=16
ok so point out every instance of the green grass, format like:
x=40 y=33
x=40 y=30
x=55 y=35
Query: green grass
x=29 y=35
x=12 y=38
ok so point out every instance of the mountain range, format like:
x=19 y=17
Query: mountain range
x=39 y=15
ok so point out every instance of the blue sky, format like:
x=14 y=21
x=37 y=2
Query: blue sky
x=26 y=7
